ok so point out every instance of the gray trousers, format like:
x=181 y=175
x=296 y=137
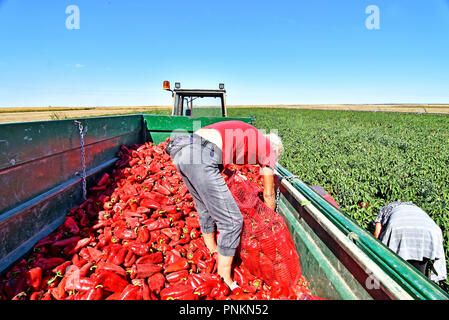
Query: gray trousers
x=198 y=160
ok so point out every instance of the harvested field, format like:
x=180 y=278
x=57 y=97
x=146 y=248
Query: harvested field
x=9 y=115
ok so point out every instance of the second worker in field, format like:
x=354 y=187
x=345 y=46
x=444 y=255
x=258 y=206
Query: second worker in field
x=200 y=158
x=414 y=236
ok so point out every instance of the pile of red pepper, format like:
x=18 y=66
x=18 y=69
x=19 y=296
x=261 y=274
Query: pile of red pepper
x=136 y=237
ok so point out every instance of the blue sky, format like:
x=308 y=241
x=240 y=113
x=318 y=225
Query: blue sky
x=266 y=52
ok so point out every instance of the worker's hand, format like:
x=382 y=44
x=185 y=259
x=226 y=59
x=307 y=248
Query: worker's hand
x=377 y=230
x=268 y=187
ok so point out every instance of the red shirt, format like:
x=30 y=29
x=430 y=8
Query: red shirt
x=244 y=144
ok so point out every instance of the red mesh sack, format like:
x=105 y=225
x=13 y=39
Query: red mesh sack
x=266 y=246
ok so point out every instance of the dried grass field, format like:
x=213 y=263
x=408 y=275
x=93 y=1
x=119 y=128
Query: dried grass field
x=11 y=115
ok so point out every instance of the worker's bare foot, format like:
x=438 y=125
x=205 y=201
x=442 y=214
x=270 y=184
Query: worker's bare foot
x=209 y=240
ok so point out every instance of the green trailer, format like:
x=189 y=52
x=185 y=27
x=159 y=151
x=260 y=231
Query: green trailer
x=41 y=178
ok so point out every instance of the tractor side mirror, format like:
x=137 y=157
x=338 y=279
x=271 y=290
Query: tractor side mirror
x=188 y=112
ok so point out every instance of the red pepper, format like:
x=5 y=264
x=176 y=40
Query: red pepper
x=154 y=216
x=182 y=251
x=71 y=225
x=91 y=254
x=155 y=167
x=186 y=229
x=108 y=205
x=156 y=257
x=221 y=289
x=279 y=290
x=178 y=292
x=177 y=276
x=156 y=282
x=194 y=280
x=143 y=235
x=161 y=189
x=144 y=270
x=206 y=287
x=163 y=247
x=123 y=233
x=110 y=281
x=70 y=242
x=162 y=238
x=192 y=222
x=130 y=258
x=239 y=277
x=59 y=292
x=62 y=267
x=210 y=264
x=161 y=223
x=46 y=296
x=146 y=293
x=164 y=183
x=172 y=209
x=78 y=262
x=104 y=179
x=114 y=296
x=195 y=234
x=84 y=270
x=180 y=264
x=257 y=284
x=95 y=293
x=202 y=264
x=98 y=188
x=183 y=239
x=139 y=173
x=35 y=295
x=133 y=162
x=119 y=258
x=187 y=208
x=48 y=239
x=111 y=267
x=173 y=217
x=239 y=290
x=81 y=244
x=81 y=284
x=101 y=224
x=244 y=296
x=131 y=292
x=246 y=273
x=34 y=278
x=138 y=248
x=150 y=203
x=48 y=263
x=182 y=191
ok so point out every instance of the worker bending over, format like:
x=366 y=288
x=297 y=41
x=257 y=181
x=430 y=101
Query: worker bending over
x=201 y=157
x=414 y=236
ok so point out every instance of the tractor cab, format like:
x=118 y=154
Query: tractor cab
x=198 y=102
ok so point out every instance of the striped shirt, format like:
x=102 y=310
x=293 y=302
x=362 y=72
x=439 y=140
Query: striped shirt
x=413 y=235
